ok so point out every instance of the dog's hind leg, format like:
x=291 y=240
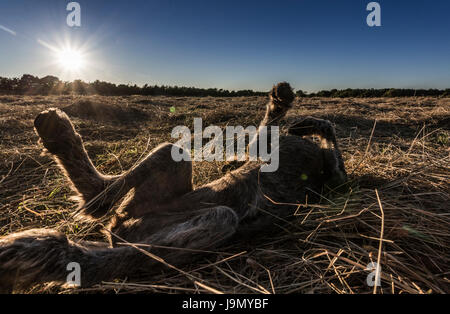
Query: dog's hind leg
x=59 y=137
x=206 y=229
x=155 y=179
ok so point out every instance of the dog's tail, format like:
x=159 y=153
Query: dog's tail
x=42 y=255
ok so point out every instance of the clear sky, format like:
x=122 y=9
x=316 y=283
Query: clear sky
x=313 y=44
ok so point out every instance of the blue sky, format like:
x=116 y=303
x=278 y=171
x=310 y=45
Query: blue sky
x=230 y=44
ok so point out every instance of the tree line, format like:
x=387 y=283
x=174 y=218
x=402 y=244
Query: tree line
x=51 y=85
x=383 y=92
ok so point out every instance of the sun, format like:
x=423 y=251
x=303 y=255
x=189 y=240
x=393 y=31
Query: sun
x=70 y=60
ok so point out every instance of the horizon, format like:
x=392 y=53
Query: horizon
x=236 y=90
x=231 y=45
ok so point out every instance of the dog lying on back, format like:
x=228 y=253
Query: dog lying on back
x=155 y=204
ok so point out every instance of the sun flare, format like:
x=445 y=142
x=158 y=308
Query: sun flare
x=71 y=60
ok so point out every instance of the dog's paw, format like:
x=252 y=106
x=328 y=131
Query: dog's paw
x=281 y=96
x=55 y=129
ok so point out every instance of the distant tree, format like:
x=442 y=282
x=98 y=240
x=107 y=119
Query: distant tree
x=300 y=93
x=48 y=84
x=28 y=84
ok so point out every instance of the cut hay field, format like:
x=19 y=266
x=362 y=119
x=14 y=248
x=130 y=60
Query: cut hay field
x=396 y=152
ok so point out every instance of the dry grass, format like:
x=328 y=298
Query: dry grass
x=397 y=211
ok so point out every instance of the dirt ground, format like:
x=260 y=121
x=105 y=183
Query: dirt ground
x=396 y=151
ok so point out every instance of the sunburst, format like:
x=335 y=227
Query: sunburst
x=70 y=59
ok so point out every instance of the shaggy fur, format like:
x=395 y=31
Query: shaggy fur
x=154 y=202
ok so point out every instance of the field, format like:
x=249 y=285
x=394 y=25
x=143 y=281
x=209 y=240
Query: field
x=396 y=151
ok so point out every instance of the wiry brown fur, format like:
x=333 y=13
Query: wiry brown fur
x=158 y=206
